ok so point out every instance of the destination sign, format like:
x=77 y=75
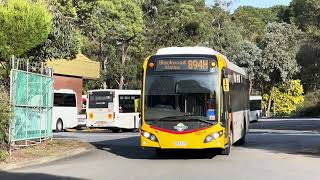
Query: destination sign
x=182 y=65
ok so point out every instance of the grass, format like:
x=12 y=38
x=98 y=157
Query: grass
x=45 y=149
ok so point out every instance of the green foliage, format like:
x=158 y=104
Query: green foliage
x=176 y=23
x=113 y=35
x=306 y=13
x=311 y=105
x=279 y=47
x=24 y=25
x=250 y=57
x=3 y=155
x=64 y=40
x=308 y=58
x=254 y=20
x=287 y=97
x=4 y=120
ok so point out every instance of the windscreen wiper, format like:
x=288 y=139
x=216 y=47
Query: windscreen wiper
x=199 y=119
x=160 y=119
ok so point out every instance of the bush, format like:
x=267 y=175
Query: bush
x=287 y=98
x=4 y=121
x=311 y=105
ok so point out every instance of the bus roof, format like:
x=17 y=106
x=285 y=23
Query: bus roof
x=201 y=51
x=66 y=91
x=117 y=90
x=255 y=97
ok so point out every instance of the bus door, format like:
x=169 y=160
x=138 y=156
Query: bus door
x=225 y=103
x=129 y=109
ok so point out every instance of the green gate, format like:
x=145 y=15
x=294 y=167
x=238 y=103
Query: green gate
x=31 y=96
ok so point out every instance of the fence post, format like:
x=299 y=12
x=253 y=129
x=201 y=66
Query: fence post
x=27 y=104
x=11 y=107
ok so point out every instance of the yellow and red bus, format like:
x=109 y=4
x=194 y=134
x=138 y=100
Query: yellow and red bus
x=193 y=98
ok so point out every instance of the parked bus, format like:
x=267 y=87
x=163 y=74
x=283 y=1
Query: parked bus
x=193 y=98
x=64 y=111
x=255 y=108
x=82 y=115
x=114 y=109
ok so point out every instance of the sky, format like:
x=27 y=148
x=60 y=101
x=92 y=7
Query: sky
x=255 y=3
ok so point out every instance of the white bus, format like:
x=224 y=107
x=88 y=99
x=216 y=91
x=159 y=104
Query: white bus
x=64 y=111
x=255 y=108
x=114 y=109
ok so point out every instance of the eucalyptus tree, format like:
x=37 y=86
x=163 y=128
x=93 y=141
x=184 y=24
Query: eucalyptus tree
x=279 y=48
x=113 y=30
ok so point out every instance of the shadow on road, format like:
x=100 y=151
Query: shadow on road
x=288 y=124
x=129 y=148
x=286 y=136
x=31 y=176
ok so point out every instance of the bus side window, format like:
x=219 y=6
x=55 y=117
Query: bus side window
x=69 y=100
x=128 y=103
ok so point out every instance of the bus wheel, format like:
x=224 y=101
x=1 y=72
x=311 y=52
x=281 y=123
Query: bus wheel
x=59 y=126
x=116 y=130
x=241 y=141
x=160 y=152
x=227 y=150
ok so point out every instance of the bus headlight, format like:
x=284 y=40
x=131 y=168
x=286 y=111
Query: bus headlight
x=149 y=136
x=146 y=135
x=213 y=136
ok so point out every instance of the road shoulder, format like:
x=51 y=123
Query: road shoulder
x=45 y=153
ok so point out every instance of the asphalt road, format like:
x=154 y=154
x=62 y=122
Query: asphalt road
x=275 y=149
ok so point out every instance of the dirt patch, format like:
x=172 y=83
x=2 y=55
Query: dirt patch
x=47 y=149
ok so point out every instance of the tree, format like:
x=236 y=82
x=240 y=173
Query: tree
x=64 y=40
x=306 y=13
x=253 y=21
x=24 y=25
x=224 y=37
x=286 y=98
x=279 y=47
x=113 y=31
x=250 y=57
x=176 y=23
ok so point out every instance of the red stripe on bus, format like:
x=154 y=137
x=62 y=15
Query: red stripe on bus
x=175 y=132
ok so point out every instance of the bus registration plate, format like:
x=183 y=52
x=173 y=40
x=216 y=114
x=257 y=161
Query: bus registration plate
x=101 y=123
x=181 y=143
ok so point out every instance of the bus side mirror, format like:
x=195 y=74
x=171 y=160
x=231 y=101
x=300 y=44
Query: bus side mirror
x=226 y=84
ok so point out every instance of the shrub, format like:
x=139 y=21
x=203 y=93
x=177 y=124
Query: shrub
x=287 y=98
x=4 y=120
x=311 y=105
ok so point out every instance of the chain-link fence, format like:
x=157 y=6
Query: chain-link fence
x=31 y=96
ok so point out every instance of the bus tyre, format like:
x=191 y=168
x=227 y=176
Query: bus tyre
x=117 y=130
x=227 y=150
x=59 y=125
x=160 y=152
x=241 y=141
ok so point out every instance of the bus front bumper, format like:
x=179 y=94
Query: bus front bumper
x=193 y=140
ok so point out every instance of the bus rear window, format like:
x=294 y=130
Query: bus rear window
x=100 y=99
x=255 y=105
x=64 y=100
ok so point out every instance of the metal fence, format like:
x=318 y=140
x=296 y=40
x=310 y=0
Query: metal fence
x=31 y=96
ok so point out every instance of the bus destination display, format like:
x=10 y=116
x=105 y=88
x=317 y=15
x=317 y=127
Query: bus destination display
x=182 y=65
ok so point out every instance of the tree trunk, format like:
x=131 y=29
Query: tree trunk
x=269 y=103
x=124 y=52
x=105 y=62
